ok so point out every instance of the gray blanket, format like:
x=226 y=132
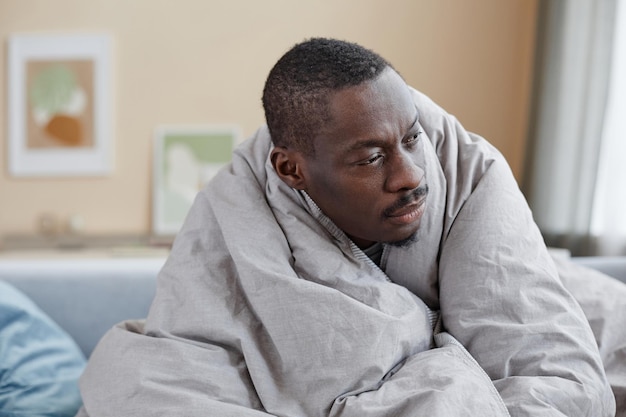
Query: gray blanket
x=265 y=307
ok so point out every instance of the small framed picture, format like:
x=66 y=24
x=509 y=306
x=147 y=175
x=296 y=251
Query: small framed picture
x=59 y=103
x=185 y=159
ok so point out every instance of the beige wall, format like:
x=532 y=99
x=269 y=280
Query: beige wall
x=203 y=61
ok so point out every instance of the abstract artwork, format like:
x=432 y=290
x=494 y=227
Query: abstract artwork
x=185 y=159
x=59 y=105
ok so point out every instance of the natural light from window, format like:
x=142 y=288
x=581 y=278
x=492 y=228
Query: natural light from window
x=609 y=209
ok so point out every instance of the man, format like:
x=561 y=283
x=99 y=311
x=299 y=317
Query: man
x=365 y=257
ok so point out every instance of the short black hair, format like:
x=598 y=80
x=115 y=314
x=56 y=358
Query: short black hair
x=296 y=92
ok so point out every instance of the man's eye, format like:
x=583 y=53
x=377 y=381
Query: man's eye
x=416 y=136
x=412 y=140
x=373 y=159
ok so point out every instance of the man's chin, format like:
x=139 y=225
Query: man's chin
x=404 y=243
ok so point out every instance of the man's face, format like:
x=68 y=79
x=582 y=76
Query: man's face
x=367 y=173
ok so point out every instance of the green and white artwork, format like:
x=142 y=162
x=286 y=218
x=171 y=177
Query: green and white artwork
x=185 y=160
x=60 y=112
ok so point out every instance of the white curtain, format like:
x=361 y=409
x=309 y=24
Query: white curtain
x=609 y=210
x=569 y=143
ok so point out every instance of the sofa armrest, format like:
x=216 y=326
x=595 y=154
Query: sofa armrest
x=614 y=266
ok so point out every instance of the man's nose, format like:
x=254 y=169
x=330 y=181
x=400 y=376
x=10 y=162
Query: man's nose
x=404 y=173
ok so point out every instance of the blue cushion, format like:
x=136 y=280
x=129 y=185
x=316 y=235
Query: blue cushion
x=39 y=363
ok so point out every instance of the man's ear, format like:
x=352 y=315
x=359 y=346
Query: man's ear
x=288 y=165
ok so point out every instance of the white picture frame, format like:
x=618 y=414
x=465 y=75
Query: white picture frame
x=185 y=159
x=59 y=105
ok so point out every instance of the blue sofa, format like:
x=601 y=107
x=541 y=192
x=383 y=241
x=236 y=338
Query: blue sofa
x=86 y=297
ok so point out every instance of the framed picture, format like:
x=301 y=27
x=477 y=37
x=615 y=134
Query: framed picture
x=59 y=105
x=185 y=159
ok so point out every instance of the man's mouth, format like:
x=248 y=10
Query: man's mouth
x=408 y=209
x=408 y=214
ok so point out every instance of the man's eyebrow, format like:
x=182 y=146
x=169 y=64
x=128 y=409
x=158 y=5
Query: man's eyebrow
x=369 y=143
x=416 y=119
x=378 y=143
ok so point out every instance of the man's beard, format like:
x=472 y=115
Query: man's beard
x=413 y=196
x=404 y=243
